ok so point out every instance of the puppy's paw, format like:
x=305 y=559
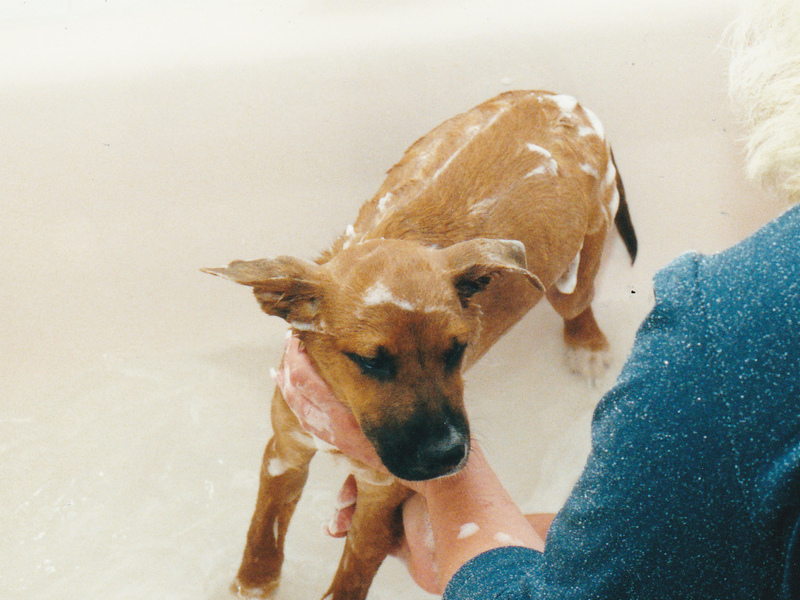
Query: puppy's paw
x=592 y=365
x=263 y=592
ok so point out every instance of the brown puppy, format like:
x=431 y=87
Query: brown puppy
x=483 y=216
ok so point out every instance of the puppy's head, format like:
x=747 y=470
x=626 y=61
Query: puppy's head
x=387 y=323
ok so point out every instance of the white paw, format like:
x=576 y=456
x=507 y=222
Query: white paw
x=592 y=365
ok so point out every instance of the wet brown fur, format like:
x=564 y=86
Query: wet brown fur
x=436 y=239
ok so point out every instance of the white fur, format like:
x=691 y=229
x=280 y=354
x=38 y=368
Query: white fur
x=383 y=203
x=613 y=205
x=539 y=150
x=765 y=84
x=350 y=232
x=541 y=170
x=300 y=326
x=590 y=170
x=610 y=178
x=549 y=168
x=482 y=206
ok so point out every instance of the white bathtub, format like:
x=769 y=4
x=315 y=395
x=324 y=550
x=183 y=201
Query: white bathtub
x=140 y=143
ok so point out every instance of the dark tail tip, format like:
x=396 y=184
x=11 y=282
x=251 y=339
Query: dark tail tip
x=622 y=220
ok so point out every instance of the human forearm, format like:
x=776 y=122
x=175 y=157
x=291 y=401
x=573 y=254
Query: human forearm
x=471 y=512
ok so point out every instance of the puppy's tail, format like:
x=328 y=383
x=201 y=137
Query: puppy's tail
x=622 y=219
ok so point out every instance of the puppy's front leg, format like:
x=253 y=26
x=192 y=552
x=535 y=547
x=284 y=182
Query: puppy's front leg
x=284 y=471
x=376 y=528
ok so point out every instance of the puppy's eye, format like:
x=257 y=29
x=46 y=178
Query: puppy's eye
x=452 y=358
x=381 y=367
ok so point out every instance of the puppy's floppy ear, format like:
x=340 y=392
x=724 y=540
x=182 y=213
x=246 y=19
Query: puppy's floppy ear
x=473 y=264
x=285 y=286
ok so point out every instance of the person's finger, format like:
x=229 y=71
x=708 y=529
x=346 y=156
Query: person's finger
x=417 y=548
x=312 y=418
x=307 y=394
x=300 y=375
x=345 y=507
x=317 y=408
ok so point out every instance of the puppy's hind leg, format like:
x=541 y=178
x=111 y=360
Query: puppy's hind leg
x=587 y=347
x=588 y=351
x=284 y=470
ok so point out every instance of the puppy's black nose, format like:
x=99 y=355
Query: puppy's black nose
x=437 y=457
x=425 y=446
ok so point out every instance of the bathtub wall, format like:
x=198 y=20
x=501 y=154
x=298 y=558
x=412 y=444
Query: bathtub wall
x=144 y=141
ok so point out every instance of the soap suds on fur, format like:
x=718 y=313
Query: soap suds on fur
x=567 y=104
x=277 y=466
x=568 y=281
x=380 y=294
x=549 y=168
x=590 y=170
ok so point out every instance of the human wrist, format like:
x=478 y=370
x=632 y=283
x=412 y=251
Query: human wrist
x=470 y=513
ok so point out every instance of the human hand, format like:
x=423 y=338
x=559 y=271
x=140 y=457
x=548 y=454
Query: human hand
x=452 y=520
x=319 y=411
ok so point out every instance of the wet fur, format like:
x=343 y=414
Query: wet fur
x=477 y=222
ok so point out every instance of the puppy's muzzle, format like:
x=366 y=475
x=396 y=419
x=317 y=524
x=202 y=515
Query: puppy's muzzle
x=425 y=446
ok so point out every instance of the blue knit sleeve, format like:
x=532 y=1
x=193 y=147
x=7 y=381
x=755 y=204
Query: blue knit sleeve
x=499 y=574
x=598 y=538
x=692 y=487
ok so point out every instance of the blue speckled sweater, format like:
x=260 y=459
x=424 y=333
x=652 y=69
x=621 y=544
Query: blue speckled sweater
x=692 y=488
